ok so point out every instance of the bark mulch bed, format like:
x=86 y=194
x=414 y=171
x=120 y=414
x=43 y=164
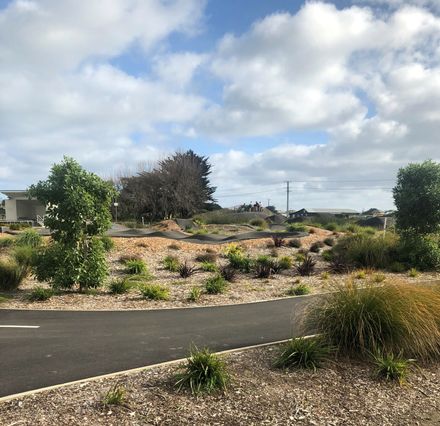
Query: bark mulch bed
x=342 y=393
x=247 y=288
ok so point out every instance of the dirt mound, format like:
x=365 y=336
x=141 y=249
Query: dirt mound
x=167 y=225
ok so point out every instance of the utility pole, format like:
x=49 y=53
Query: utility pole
x=288 y=194
x=268 y=202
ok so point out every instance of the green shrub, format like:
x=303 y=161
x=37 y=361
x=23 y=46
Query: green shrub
x=295 y=243
x=216 y=285
x=233 y=249
x=119 y=286
x=258 y=222
x=329 y=241
x=307 y=266
x=11 y=275
x=208 y=267
x=360 y=275
x=391 y=317
x=366 y=251
x=391 y=368
x=299 y=290
x=135 y=266
x=171 y=263
x=154 y=292
x=285 y=262
x=303 y=353
x=331 y=226
x=240 y=262
x=327 y=255
x=64 y=266
x=115 y=396
x=6 y=242
x=195 y=294
x=186 y=270
x=25 y=256
x=379 y=278
x=40 y=294
x=204 y=372
x=108 y=243
x=30 y=238
x=264 y=267
x=413 y=273
x=296 y=227
x=421 y=252
x=397 y=267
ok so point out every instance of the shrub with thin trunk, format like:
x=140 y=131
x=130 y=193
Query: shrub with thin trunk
x=203 y=372
x=392 y=317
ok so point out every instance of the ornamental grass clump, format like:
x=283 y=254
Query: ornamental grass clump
x=171 y=263
x=30 y=238
x=119 y=286
x=154 y=292
x=135 y=267
x=204 y=372
x=391 y=368
x=303 y=353
x=391 y=317
x=216 y=285
x=11 y=274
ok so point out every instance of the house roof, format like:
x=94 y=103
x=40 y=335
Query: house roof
x=330 y=211
x=14 y=193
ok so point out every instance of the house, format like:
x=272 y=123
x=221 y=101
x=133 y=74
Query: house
x=323 y=212
x=20 y=207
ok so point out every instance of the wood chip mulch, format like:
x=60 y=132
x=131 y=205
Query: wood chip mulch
x=342 y=393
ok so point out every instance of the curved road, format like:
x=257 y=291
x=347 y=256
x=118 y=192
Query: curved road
x=72 y=345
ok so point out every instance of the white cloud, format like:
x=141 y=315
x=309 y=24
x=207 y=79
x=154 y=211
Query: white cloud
x=61 y=95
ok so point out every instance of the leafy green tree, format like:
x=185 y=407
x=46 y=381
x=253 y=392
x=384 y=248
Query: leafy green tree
x=78 y=213
x=417 y=198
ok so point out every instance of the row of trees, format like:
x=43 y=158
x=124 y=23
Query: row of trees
x=177 y=187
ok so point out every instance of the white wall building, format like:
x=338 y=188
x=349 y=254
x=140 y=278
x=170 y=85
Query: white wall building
x=19 y=206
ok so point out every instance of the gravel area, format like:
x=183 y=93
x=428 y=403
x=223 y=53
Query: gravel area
x=343 y=393
x=247 y=288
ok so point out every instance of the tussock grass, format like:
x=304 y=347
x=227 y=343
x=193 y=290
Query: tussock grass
x=135 y=267
x=154 y=292
x=11 y=274
x=303 y=353
x=392 y=368
x=204 y=372
x=391 y=317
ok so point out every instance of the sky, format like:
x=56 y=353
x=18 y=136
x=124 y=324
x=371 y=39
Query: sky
x=333 y=96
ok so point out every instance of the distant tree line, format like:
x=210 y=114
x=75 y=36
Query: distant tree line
x=177 y=187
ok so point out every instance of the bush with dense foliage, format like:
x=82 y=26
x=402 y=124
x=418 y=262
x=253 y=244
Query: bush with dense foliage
x=119 y=286
x=40 y=294
x=171 y=263
x=78 y=213
x=135 y=266
x=392 y=317
x=204 y=372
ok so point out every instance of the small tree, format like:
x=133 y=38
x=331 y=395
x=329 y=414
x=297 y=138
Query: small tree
x=417 y=198
x=78 y=211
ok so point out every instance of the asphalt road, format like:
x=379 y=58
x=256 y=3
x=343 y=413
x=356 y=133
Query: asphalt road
x=73 y=345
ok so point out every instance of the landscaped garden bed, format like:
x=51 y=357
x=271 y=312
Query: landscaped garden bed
x=342 y=393
x=246 y=287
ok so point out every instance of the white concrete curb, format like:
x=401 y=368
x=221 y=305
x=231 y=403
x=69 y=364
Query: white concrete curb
x=136 y=370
